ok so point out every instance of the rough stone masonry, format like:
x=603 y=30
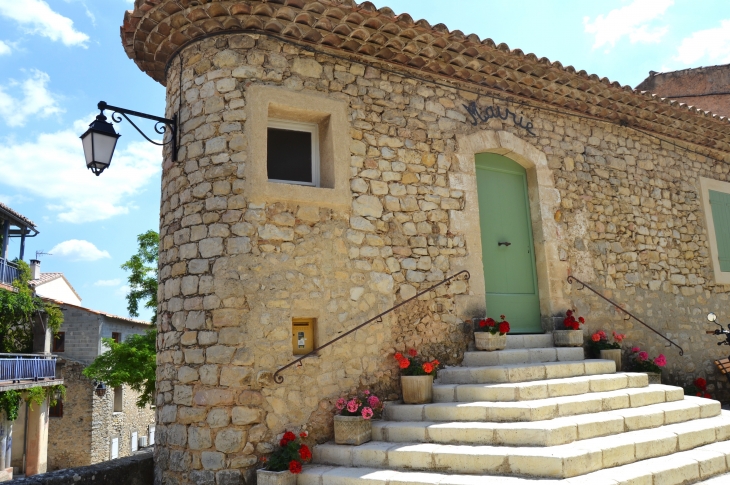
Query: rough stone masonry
x=239 y=259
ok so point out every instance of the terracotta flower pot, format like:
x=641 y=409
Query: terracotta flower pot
x=417 y=389
x=568 y=338
x=352 y=430
x=266 y=477
x=654 y=377
x=614 y=355
x=489 y=341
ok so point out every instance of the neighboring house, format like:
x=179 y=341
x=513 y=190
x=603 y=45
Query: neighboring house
x=93 y=423
x=54 y=286
x=23 y=371
x=706 y=88
x=12 y=224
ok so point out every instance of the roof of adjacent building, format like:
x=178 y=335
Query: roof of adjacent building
x=156 y=30
x=48 y=277
x=16 y=216
x=98 y=312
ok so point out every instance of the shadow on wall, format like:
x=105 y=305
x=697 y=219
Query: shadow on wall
x=137 y=469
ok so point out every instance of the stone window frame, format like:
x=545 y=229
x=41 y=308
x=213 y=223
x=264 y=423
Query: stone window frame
x=313 y=130
x=268 y=102
x=706 y=184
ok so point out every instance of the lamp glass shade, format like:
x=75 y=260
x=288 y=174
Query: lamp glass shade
x=99 y=142
x=711 y=317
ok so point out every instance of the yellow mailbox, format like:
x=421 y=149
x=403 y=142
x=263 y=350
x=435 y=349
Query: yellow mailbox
x=302 y=335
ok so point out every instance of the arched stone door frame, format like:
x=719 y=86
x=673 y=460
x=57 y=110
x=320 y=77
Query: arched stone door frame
x=544 y=205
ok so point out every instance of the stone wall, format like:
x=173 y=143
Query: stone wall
x=132 y=470
x=609 y=204
x=83 y=435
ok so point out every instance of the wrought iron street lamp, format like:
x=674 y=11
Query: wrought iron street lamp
x=100 y=139
x=100 y=389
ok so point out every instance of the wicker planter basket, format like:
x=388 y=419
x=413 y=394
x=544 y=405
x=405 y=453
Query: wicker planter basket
x=654 y=377
x=417 y=389
x=489 y=341
x=614 y=355
x=265 y=477
x=568 y=338
x=352 y=430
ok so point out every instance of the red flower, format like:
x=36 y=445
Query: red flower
x=404 y=363
x=707 y=395
x=288 y=437
x=581 y=320
x=482 y=323
x=699 y=394
x=504 y=327
x=427 y=367
x=412 y=352
x=502 y=317
x=295 y=467
x=569 y=313
x=701 y=383
x=435 y=362
x=398 y=356
x=595 y=337
x=303 y=434
x=490 y=322
x=305 y=452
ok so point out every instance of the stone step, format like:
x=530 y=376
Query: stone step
x=554 y=432
x=530 y=341
x=680 y=468
x=536 y=410
x=524 y=391
x=525 y=372
x=562 y=461
x=522 y=356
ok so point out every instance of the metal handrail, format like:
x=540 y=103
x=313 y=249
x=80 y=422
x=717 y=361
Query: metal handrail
x=279 y=379
x=9 y=271
x=572 y=278
x=20 y=367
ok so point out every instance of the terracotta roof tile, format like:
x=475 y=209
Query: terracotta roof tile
x=45 y=278
x=20 y=217
x=154 y=31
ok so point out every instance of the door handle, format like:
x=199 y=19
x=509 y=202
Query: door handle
x=504 y=243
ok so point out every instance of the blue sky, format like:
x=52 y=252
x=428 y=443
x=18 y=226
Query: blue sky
x=58 y=58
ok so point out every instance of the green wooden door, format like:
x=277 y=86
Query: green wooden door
x=720 y=203
x=509 y=268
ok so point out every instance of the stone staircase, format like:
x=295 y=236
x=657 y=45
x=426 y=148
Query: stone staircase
x=536 y=414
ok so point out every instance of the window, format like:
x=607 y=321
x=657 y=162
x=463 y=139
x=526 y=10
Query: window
x=716 y=204
x=118 y=399
x=292 y=152
x=114 y=453
x=117 y=337
x=59 y=341
x=57 y=410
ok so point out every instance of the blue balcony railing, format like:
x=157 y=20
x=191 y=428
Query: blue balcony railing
x=8 y=272
x=26 y=367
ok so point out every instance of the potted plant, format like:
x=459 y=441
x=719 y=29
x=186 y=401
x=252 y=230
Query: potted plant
x=572 y=336
x=640 y=362
x=600 y=347
x=698 y=388
x=282 y=467
x=352 y=421
x=416 y=377
x=491 y=335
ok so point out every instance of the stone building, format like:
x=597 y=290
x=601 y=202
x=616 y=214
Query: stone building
x=706 y=88
x=425 y=152
x=91 y=425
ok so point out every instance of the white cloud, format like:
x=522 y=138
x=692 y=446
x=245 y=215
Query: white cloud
x=711 y=44
x=4 y=48
x=52 y=168
x=122 y=290
x=79 y=250
x=36 y=17
x=36 y=100
x=113 y=282
x=632 y=21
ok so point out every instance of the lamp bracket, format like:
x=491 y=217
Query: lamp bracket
x=162 y=126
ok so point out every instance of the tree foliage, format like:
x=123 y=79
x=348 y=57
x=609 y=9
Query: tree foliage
x=134 y=361
x=143 y=275
x=17 y=310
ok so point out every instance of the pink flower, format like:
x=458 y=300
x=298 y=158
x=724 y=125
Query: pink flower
x=373 y=401
x=367 y=413
x=352 y=405
x=643 y=356
x=340 y=404
x=366 y=392
x=661 y=361
x=635 y=349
